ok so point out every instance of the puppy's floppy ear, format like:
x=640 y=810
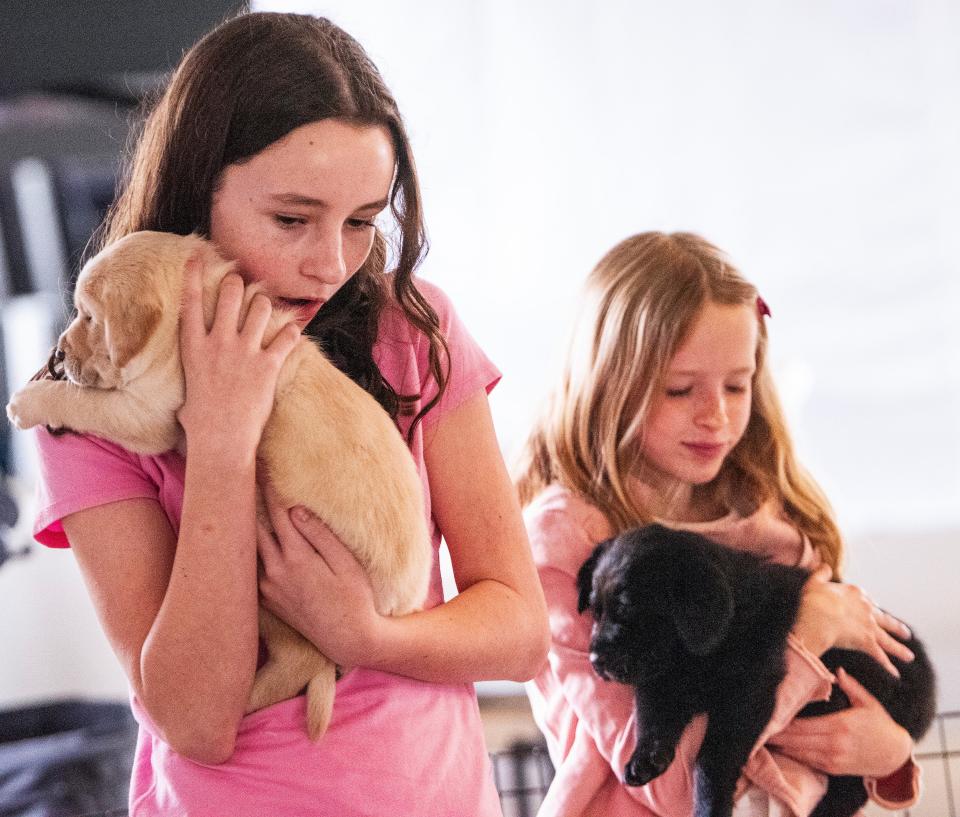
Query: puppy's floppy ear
x=128 y=328
x=585 y=576
x=701 y=602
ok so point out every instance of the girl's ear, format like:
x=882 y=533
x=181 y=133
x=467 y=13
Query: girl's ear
x=585 y=577
x=701 y=602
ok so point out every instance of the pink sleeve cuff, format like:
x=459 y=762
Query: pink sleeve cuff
x=898 y=790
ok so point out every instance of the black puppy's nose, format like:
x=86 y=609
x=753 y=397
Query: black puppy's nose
x=59 y=355
x=599 y=665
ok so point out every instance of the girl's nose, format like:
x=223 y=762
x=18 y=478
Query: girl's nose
x=324 y=260
x=713 y=411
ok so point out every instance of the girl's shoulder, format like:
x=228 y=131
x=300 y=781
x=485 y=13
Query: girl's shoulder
x=80 y=471
x=395 y=326
x=564 y=527
x=403 y=352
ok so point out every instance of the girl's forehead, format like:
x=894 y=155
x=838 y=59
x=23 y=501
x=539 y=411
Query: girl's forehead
x=318 y=160
x=722 y=338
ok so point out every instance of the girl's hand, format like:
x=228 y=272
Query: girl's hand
x=311 y=581
x=230 y=377
x=833 y=614
x=862 y=740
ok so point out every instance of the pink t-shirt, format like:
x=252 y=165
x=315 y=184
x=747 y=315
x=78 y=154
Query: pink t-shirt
x=395 y=746
x=589 y=723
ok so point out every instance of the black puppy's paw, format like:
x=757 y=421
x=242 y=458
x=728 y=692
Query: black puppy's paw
x=647 y=763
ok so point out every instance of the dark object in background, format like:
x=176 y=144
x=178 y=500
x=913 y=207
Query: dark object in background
x=69 y=86
x=697 y=627
x=65 y=759
x=109 y=49
x=8 y=518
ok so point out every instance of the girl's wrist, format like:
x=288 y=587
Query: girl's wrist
x=224 y=447
x=813 y=636
x=906 y=752
x=385 y=645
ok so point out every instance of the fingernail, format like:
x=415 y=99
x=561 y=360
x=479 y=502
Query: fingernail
x=301 y=514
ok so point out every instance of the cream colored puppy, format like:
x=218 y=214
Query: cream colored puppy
x=328 y=445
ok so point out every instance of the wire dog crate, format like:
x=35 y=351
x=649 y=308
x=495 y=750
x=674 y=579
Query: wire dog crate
x=522 y=775
x=939 y=757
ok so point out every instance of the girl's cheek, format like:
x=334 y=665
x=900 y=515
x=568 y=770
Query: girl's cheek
x=360 y=251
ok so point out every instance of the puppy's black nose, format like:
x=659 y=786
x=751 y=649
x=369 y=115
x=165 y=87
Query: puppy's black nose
x=599 y=665
x=59 y=355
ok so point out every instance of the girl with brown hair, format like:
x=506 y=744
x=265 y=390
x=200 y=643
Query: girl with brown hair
x=278 y=140
x=666 y=411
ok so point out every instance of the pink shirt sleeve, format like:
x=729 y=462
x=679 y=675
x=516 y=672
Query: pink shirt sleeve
x=77 y=472
x=470 y=370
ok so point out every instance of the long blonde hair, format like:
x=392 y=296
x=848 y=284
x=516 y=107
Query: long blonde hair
x=638 y=305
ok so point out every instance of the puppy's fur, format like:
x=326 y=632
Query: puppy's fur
x=697 y=627
x=327 y=444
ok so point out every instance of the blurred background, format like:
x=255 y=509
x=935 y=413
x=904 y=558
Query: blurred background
x=816 y=142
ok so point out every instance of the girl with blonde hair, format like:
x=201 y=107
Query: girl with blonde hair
x=666 y=411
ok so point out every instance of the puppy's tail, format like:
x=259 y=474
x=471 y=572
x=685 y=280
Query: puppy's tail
x=320 y=693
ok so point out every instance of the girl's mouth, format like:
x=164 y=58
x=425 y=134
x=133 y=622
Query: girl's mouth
x=706 y=451
x=304 y=308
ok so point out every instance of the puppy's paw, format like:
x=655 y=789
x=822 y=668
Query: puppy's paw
x=647 y=763
x=33 y=405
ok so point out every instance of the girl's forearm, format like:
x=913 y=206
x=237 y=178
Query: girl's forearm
x=487 y=632
x=198 y=661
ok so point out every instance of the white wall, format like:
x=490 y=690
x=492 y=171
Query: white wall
x=815 y=141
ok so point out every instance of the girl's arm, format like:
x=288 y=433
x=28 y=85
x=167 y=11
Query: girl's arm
x=181 y=616
x=494 y=629
x=862 y=740
x=181 y=612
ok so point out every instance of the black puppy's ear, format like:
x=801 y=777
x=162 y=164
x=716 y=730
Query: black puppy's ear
x=702 y=605
x=585 y=577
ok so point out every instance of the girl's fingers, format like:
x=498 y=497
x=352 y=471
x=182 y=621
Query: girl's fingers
x=892 y=624
x=278 y=515
x=800 y=737
x=255 y=322
x=895 y=648
x=191 y=322
x=284 y=342
x=323 y=540
x=226 y=317
x=268 y=547
x=858 y=694
x=883 y=659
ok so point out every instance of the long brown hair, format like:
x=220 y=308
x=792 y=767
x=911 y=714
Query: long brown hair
x=640 y=301
x=245 y=85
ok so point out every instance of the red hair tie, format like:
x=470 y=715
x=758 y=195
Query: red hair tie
x=762 y=309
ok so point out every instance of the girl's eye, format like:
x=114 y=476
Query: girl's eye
x=360 y=223
x=736 y=389
x=289 y=221
x=679 y=392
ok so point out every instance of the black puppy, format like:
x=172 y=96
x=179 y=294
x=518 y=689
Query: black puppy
x=697 y=627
